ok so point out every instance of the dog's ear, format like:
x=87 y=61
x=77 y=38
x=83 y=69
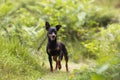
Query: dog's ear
x=47 y=25
x=58 y=27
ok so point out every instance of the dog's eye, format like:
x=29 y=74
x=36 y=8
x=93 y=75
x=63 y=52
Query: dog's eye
x=55 y=32
x=50 y=32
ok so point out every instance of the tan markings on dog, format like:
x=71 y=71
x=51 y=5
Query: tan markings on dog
x=57 y=48
x=49 y=50
x=55 y=58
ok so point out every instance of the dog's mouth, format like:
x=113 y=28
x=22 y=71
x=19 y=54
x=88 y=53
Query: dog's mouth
x=52 y=37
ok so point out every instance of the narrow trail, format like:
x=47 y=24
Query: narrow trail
x=62 y=74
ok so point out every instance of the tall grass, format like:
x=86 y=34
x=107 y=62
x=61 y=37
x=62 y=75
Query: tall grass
x=16 y=62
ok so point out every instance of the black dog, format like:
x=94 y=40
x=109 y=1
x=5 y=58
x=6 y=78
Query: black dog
x=55 y=49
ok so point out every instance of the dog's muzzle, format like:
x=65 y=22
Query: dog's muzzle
x=52 y=36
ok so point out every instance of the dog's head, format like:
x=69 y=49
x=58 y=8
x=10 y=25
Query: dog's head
x=52 y=31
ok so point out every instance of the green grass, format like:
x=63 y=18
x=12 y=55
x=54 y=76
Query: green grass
x=57 y=75
x=91 y=38
x=17 y=63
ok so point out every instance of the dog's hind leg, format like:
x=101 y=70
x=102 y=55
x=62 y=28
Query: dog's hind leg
x=66 y=60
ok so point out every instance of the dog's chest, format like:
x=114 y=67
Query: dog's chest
x=54 y=51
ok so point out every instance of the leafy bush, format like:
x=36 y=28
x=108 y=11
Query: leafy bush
x=74 y=16
x=6 y=9
x=106 y=47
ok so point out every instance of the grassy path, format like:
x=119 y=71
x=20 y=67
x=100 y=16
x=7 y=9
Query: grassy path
x=62 y=74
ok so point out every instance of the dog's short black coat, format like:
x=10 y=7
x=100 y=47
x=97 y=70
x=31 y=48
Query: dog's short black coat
x=55 y=49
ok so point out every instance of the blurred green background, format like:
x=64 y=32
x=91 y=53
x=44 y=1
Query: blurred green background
x=90 y=30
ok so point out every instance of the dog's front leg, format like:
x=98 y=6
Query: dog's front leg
x=50 y=61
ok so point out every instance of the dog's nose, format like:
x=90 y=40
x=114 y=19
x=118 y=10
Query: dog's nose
x=53 y=35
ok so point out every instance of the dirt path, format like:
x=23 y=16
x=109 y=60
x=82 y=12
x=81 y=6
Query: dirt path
x=62 y=74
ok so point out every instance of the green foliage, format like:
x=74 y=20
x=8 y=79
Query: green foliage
x=16 y=62
x=73 y=15
x=106 y=47
x=86 y=31
x=5 y=9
